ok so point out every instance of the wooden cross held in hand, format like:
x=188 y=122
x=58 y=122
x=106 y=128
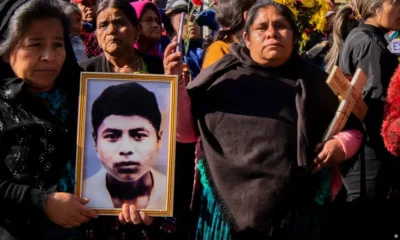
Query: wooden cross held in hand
x=350 y=95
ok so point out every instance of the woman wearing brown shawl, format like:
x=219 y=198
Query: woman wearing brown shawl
x=262 y=111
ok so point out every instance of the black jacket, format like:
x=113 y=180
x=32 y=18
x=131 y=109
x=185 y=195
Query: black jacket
x=366 y=48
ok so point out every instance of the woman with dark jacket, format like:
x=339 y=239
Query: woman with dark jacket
x=39 y=90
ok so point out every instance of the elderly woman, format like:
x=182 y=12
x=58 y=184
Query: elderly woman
x=262 y=112
x=39 y=91
x=117 y=29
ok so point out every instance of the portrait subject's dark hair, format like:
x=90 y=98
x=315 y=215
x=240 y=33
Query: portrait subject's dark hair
x=230 y=15
x=122 y=5
x=282 y=9
x=127 y=99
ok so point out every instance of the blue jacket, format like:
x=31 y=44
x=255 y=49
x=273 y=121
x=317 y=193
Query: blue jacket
x=194 y=57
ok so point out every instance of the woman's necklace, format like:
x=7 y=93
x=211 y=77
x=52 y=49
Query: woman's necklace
x=131 y=67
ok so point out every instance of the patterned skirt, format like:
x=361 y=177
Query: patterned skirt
x=307 y=223
x=211 y=224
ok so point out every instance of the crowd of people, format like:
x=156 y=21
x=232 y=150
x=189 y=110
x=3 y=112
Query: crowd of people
x=252 y=111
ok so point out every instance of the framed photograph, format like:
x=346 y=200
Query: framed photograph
x=126 y=142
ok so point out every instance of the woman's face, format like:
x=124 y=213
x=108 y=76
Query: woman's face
x=40 y=54
x=115 y=33
x=270 y=39
x=151 y=26
x=88 y=9
x=388 y=16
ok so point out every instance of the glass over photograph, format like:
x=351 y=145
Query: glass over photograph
x=127 y=144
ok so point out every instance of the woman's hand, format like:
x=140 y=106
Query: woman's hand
x=332 y=154
x=68 y=210
x=129 y=214
x=173 y=64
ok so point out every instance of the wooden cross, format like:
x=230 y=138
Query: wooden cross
x=350 y=95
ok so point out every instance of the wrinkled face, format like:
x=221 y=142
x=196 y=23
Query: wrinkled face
x=388 y=16
x=127 y=146
x=40 y=54
x=194 y=31
x=151 y=26
x=76 y=27
x=88 y=9
x=115 y=33
x=270 y=39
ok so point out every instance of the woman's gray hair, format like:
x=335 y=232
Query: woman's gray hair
x=23 y=17
x=123 y=5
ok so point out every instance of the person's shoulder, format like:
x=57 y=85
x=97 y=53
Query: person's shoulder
x=215 y=52
x=218 y=46
x=92 y=64
x=361 y=40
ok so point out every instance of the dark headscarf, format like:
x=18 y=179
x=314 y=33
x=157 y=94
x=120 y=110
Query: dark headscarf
x=7 y=8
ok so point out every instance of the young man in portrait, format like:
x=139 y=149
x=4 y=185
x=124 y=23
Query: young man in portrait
x=126 y=123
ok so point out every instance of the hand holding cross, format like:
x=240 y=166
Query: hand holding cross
x=350 y=95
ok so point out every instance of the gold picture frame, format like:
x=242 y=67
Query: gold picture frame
x=88 y=82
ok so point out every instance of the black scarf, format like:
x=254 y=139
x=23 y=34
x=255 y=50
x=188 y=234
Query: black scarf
x=239 y=106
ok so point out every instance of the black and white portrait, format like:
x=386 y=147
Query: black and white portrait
x=126 y=153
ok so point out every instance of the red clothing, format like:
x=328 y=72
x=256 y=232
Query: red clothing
x=391 y=124
x=90 y=41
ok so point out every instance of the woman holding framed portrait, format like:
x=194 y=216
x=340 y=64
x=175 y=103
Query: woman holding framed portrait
x=39 y=91
x=117 y=30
